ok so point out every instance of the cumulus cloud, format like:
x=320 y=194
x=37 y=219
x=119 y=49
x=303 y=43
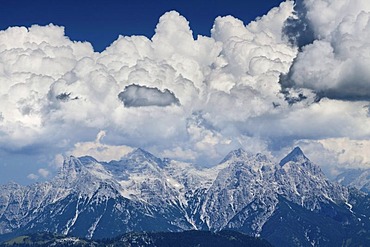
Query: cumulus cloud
x=184 y=97
x=335 y=63
x=42 y=173
x=178 y=153
x=137 y=96
x=350 y=153
x=32 y=176
x=337 y=154
x=100 y=151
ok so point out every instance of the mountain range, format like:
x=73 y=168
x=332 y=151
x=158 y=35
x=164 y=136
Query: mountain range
x=288 y=203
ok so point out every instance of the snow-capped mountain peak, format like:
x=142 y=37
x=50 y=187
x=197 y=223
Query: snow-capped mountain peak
x=140 y=155
x=71 y=167
x=295 y=155
x=87 y=160
x=304 y=183
x=238 y=154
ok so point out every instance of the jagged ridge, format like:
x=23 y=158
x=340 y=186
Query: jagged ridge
x=141 y=192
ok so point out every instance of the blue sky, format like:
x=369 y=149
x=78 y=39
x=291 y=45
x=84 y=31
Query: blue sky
x=296 y=76
x=100 y=22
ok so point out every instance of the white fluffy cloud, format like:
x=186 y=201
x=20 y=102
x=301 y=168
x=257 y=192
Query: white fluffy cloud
x=219 y=92
x=42 y=172
x=100 y=151
x=350 y=153
x=336 y=64
x=337 y=154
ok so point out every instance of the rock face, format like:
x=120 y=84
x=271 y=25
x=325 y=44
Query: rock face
x=287 y=203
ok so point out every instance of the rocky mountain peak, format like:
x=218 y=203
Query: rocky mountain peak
x=235 y=154
x=87 y=160
x=71 y=167
x=295 y=155
x=139 y=155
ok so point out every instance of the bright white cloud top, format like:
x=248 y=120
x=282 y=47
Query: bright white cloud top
x=194 y=99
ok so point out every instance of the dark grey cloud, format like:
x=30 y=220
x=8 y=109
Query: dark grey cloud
x=64 y=97
x=293 y=99
x=292 y=93
x=347 y=92
x=141 y=96
x=298 y=29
